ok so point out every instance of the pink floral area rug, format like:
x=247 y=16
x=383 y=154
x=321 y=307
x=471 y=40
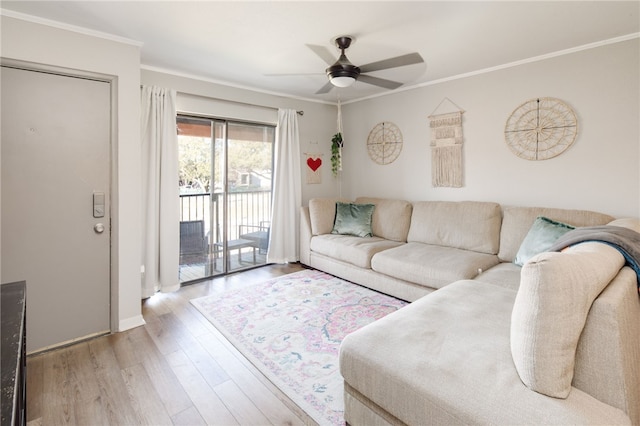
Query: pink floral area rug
x=291 y=327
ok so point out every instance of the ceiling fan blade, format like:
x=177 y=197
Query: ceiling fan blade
x=293 y=74
x=398 y=61
x=323 y=52
x=381 y=82
x=325 y=89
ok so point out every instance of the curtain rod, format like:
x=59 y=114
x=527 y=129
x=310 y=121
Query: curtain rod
x=300 y=112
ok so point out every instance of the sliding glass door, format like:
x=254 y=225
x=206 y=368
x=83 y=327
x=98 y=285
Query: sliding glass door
x=225 y=195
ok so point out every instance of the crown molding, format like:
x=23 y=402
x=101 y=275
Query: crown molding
x=68 y=27
x=546 y=56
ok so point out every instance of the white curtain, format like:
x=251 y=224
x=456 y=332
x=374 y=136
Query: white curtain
x=287 y=191
x=160 y=194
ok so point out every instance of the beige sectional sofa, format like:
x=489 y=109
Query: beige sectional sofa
x=556 y=341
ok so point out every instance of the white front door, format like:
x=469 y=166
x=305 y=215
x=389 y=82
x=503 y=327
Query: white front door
x=55 y=213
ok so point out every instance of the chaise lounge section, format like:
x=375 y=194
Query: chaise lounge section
x=553 y=340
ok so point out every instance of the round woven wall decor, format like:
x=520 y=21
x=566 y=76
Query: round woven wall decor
x=541 y=128
x=384 y=143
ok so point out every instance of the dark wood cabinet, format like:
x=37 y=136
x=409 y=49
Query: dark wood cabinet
x=13 y=347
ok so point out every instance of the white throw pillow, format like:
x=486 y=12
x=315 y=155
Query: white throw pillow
x=553 y=301
x=627 y=222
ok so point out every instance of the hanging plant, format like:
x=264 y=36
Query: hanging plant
x=336 y=153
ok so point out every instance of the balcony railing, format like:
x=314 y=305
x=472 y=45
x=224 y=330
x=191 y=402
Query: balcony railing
x=251 y=208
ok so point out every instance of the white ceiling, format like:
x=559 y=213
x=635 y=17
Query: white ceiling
x=244 y=43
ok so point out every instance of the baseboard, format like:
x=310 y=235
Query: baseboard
x=132 y=322
x=68 y=342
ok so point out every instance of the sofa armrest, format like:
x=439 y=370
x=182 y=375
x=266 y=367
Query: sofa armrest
x=609 y=348
x=305 y=236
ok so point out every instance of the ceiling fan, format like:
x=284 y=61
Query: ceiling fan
x=342 y=73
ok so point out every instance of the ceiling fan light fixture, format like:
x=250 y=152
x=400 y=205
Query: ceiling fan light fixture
x=342 y=81
x=343 y=73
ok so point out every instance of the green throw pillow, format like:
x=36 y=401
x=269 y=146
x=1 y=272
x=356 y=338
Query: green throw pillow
x=543 y=233
x=353 y=219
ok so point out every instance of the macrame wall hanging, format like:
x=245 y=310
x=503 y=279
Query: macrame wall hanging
x=446 y=147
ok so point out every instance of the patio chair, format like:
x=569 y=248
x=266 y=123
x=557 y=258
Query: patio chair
x=258 y=234
x=192 y=238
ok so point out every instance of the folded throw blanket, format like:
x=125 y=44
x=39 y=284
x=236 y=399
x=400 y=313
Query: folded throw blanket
x=625 y=240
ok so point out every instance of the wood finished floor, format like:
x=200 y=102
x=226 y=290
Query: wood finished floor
x=195 y=267
x=175 y=370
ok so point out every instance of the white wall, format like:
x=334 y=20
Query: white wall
x=317 y=125
x=46 y=45
x=600 y=171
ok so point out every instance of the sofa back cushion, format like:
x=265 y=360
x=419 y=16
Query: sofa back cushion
x=555 y=294
x=517 y=221
x=391 y=218
x=469 y=225
x=322 y=212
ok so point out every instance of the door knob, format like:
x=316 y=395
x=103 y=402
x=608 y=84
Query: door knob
x=98 y=228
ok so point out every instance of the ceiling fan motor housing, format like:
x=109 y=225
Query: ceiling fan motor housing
x=343 y=67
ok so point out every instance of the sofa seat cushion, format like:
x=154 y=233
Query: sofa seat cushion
x=431 y=265
x=445 y=359
x=504 y=274
x=355 y=250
